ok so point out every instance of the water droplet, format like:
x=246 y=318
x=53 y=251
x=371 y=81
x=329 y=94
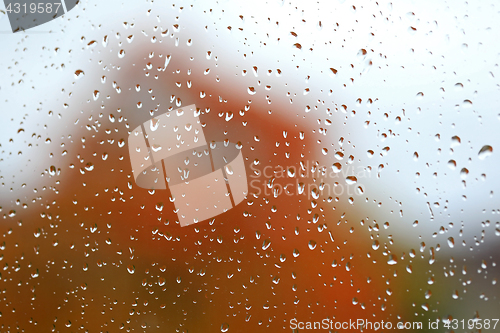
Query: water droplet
x=251 y=91
x=312 y=244
x=455 y=141
x=452 y=164
x=392 y=260
x=153 y=124
x=464 y=172
x=161 y=281
x=266 y=244
x=351 y=180
x=224 y=327
x=336 y=167
x=131 y=269
x=79 y=74
x=451 y=242
x=121 y=53
x=485 y=152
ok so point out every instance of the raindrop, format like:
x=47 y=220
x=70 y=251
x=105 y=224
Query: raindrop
x=455 y=141
x=392 y=260
x=79 y=74
x=266 y=244
x=131 y=269
x=485 y=152
x=224 y=327
x=351 y=180
x=451 y=242
x=312 y=244
x=251 y=91
x=464 y=172
x=154 y=123
x=336 y=167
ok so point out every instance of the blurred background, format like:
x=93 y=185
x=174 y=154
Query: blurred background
x=369 y=132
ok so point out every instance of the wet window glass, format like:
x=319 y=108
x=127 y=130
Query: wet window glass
x=228 y=166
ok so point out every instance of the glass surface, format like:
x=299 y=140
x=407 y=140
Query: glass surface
x=326 y=165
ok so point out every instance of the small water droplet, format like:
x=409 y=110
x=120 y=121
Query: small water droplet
x=351 y=180
x=485 y=152
x=312 y=244
x=161 y=281
x=79 y=74
x=224 y=327
x=452 y=164
x=455 y=141
x=131 y=269
x=392 y=260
